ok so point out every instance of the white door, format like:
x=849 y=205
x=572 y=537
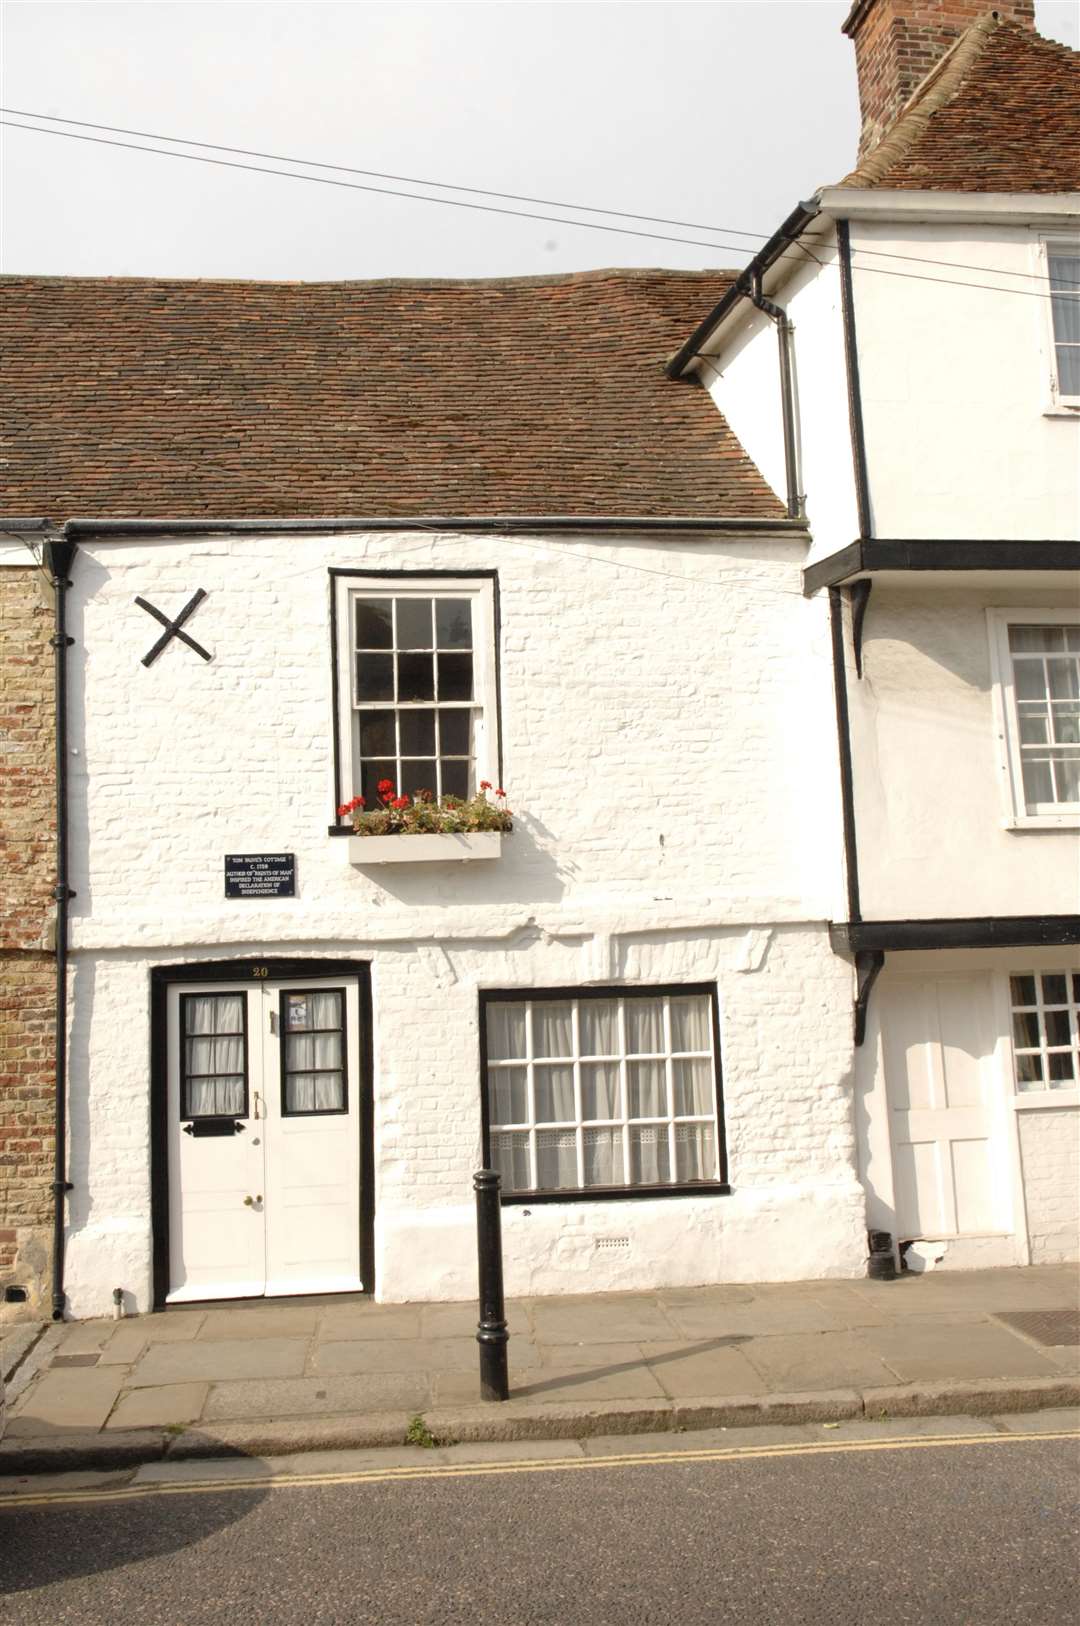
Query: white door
x=264 y=1139
x=946 y=1123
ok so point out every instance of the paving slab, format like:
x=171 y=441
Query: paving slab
x=160 y=1407
x=684 y=1370
x=276 y=1321
x=760 y=1318
x=816 y=1360
x=16 y=1343
x=86 y=1337
x=349 y=1321
x=78 y=1398
x=460 y=1320
x=401 y=1355
x=567 y=1357
x=319 y=1396
x=218 y=1361
x=553 y=1384
x=604 y=1320
x=926 y=1351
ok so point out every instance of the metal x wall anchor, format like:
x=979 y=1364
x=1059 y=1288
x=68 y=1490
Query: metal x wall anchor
x=173 y=628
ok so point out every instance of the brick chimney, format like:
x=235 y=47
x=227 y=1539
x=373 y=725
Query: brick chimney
x=897 y=42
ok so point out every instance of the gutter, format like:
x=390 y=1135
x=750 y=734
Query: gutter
x=58 y=557
x=75 y=529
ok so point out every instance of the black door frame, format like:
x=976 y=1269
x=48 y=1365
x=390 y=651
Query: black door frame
x=254 y=970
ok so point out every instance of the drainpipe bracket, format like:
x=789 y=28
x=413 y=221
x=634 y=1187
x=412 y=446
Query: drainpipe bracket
x=60 y=1188
x=63 y=893
x=61 y=643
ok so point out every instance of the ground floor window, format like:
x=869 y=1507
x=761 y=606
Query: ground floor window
x=1046 y=1029
x=603 y=1090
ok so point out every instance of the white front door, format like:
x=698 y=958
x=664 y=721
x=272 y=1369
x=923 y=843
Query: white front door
x=950 y=1175
x=264 y=1139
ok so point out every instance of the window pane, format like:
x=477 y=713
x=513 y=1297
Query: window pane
x=1064 y=674
x=1065 y=295
x=1061 y=1068
x=690 y=1023
x=214 y=1013
x=214 y=1098
x=650 y=1162
x=416 y=677
x=603 y=1157
x=644 y=1026
x=453 y=621
x=1067 y=779
x=1076 y=988
x=456 y=778
x=1028 y=1072
x=1022 y=990
x=598 y=1022
x=510 y=1154
x=455 y=733
x=1066 y=720
x=1035 y=639
x=414 y=626
x=374 y=677
x=552 y=1031
x=600 y=1089
x=554 y=1088
x=556 y=1160
x=646 y=1086
x=374 y=626
x=510 y=1095
x=377 y=734
x=506 y=1032
x=1038 y=781
x=455 y=677
x=418 y=733
x=1057 y=1027
x=692 y=1087
x=418 y=774
x=206 y=1057
x=1026 y=1029
x=694 y=1157
x=306 y=1052
x=1055 y=989
x=314 y=1092
x=1068 y=361
x=1030 y=678
x=1033 y=726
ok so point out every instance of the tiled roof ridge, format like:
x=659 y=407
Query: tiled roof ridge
x=937 y=90
x=630 y=273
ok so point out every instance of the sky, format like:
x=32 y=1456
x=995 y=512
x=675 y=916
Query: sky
x=723 y=113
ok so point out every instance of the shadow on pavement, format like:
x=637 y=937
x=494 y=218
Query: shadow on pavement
x=564 y=1379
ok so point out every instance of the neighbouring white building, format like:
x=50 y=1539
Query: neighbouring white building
x=782 y=944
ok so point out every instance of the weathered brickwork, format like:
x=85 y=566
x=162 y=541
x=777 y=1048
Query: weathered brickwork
x=897 y=42
x=26 y=967
x=1050 y=1150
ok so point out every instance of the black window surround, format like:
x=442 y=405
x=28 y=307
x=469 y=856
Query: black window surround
x=338 y=574
x=719 y=1187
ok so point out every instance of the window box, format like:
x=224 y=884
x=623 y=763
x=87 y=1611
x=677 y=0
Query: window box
x=425 y=849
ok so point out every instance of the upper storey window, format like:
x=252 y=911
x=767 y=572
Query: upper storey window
x=1063 y=266
x=416 y=678
x=1037 y=668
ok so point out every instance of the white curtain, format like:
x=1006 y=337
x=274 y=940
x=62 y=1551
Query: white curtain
x=510 y=1095
x=603 y=1157
x=692 y=1087
x=649 y=1160
x=314 y=1064
x=552 y=1030
x=556 y=1159
x=694 y=1157
x=510 y=1154
x=644 y=1026
x=214 y=1055
x=506 y=1032
x=690 y=1023
x=314 y=1092
x=600 y=1089
x=554 y=1088
x=598 y=1022
x=646 y=1086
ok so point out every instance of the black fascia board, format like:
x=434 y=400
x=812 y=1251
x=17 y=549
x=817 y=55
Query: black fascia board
x=863 y=558
x=978 y=931
x=482 y=523
x=766 y=256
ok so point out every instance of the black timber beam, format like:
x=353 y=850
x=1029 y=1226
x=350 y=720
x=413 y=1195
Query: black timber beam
x=866 y=557
x=981 y=931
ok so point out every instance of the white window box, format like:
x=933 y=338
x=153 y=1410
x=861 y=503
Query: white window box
x=438 y=848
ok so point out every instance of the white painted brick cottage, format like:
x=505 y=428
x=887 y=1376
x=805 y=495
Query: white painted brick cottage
x=745 y=783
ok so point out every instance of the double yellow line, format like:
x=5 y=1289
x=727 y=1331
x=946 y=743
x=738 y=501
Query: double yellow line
x=478 y=1470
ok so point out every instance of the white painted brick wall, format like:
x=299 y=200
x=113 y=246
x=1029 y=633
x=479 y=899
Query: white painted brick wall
x=677 y=691
x=1050 y=1153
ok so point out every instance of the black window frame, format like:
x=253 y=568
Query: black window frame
x=186 y=1115
x=719 y=1187
x=284 y=1030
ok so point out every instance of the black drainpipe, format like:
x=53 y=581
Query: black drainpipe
x=58 y=558
x=785 y=331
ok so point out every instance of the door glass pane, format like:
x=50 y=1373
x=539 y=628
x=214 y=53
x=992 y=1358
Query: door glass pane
x=314 y=1051
x=314 y=1092
x=213 y=1081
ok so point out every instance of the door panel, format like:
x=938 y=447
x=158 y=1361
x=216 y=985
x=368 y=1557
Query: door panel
x=274 y=1207
x=944 y=1114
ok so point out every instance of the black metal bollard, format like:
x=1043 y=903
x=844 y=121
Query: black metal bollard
x=491 y=1334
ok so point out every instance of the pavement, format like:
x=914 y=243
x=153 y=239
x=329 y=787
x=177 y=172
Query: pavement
x=272 y=1378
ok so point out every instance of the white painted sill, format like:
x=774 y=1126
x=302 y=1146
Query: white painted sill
x=438 y=848
x=1044 y=1100
x=1042 y=821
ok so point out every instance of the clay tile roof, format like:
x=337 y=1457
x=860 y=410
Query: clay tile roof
x=999 y=113
x=538 y=395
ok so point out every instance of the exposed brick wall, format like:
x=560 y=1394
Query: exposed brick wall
x=27 y=875
x=897 y=42
x=1050 y=1149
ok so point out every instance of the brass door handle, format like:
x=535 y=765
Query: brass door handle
x=250 y=1202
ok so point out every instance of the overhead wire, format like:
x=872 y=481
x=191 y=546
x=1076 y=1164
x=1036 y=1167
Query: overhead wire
x=481 y=191
x=515 y=214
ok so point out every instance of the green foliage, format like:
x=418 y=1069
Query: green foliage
x=418 y=1433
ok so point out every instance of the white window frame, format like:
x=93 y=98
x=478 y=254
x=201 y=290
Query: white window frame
x=716 y=1182
x=1067 y=405
x=1006 y=720
x=1046 y=1095
x=348 y=586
